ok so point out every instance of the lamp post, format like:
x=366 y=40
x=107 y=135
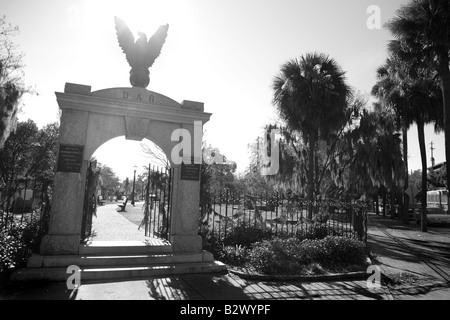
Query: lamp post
x=134 y=180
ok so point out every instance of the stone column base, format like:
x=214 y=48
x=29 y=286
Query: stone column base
x=60 y=244
x=190 y=243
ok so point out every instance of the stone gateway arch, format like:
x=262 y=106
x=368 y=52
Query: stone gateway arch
x=89 y=119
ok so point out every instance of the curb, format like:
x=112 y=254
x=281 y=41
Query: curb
x=360 y=275
x=357 y=275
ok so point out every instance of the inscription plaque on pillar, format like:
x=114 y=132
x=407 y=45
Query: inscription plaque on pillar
x=190 y=172
x=70 y=158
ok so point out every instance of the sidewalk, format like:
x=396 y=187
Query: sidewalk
x=198 y=287
x=392 y=256
x=420 y=259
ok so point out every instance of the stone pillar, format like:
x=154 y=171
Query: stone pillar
x=68 y=191
x=185 y=214
x=186 y=200
x=66 y=214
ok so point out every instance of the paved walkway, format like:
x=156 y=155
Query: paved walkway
x=200 y=287
x=110 y=225
x=390 y=241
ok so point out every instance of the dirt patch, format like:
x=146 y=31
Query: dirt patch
x=405 y=279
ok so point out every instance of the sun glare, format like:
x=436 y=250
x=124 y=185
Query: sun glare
x=132 y=153
x=140 y=15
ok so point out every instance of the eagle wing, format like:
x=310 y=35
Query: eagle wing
x=155 y=44
x=126 y=40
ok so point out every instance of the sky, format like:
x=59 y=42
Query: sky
x=224 y=53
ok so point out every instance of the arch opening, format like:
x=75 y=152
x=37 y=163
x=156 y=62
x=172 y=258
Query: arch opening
x=125 y=212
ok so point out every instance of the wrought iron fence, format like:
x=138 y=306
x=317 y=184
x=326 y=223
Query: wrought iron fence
x=158 y=200
x=282 y=214
x=25 y=200
x=24 y=214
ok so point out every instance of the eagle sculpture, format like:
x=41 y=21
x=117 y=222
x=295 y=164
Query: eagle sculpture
x=140 y=54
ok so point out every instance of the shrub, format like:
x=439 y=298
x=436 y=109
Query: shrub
x=313 y=231
x=245 y=235
x=214 y=245
x=315 y=244
x=282 y=256
x=235 y=255
x=344 y=250
x=310 y=250
x=17 y=242
x=316 y=231
x=274 y=256
x=222 y=243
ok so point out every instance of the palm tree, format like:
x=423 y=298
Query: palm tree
x=378 y=160
x=389 y=90
x=414 y=95
x=423 y=30
x=311 y=94
x=426 y=100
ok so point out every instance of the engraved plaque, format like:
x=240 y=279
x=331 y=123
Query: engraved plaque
x=70 y=158
x=190 y=172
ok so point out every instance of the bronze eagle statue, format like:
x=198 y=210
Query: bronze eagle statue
x=140 y=54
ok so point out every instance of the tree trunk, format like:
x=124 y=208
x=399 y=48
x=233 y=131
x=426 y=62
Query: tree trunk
x=10 y=195
x=377 y=210
x=384 y=203
x=393 y=203
x=405 y=195
x=423 y=156
x=405 y=207
x=316 y=171
x=445 y=77
x=316 y=176
x=312 y=142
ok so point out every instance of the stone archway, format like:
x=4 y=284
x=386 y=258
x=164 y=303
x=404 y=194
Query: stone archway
x=88 y=120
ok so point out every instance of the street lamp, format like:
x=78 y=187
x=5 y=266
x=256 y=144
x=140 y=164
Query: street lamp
x=134 y=180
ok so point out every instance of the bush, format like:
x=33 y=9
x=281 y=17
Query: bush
x=310 y=250
x=289 y=256
x=344 y=250
x=275 y=256
x=316 y=231
x=314 y=245
x=212 y=244
x=17 y=243
x=245 y=235
x=229 y=244
x=235 y=255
